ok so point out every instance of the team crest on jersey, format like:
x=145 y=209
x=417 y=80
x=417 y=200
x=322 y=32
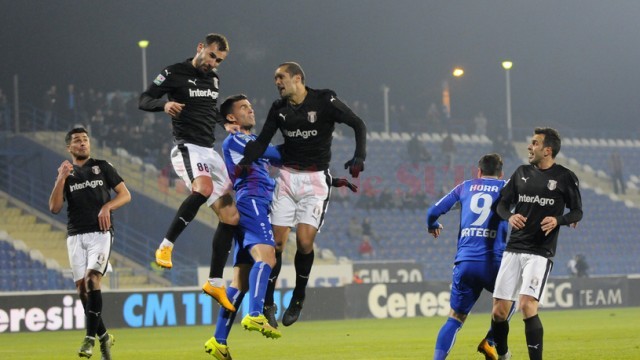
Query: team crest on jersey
x=101 y=259
x=551 y=185
x=312 y=117
x=95 y=170
x=317 y=211
x=215 y=82
x=159 y=79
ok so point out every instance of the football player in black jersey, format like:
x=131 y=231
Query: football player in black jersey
x=306 y=117
x=538 y=193
x=191 y=88
x=86 y=184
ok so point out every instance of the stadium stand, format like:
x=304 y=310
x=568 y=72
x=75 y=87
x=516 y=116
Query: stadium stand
x=24 y=270
x=605 y=236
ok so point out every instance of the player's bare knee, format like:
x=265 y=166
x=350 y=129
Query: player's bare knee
x=204 y=192
x=529 y=308
x=203 y=186
x=92 y=281
x=500 y=311
x=280 y=235
x=498 y=316
x=226 y=210
x=458 y=316
x=305 y=246
x=231 y=217
x=81 y=288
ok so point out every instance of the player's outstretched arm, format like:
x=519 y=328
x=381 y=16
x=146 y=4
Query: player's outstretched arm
x=344 y=115
x=340 y=182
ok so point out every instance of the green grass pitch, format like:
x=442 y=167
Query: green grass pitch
x=576 y=334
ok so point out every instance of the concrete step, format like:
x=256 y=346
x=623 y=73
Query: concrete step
x=10 y=211
x=23 y=219
x=17 y=227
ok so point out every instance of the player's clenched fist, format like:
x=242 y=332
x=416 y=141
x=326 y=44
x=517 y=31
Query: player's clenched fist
x=65 y=169
x=173 y=108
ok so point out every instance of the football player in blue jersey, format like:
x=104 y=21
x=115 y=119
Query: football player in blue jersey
x=255 y=247
x=481 y=242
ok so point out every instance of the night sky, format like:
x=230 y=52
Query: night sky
x=575 y=61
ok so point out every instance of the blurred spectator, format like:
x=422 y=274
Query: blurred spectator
x=409 y=200
x=354 y=229
x=97 y=125
x=366 y=249
x=82 y=115
x=422 y=200
x=367 y=229
x=617 y=176
x=504 y=148
x=397 y=200
x=581 y=266
x=50 y=105
x=69 y=106
x=577 y=266
x=481 y=124
x=131 y=113
x=448 y=149
x=571 y=267
x=339 y=196
x=117 y=102
x=366 y=200
x=95 y=101
x=384 y=200
x=417 y=151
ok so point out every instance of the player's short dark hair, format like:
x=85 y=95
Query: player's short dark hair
x=490 y=165
x=213 y=38
x=227 y=104
x=67 y=138
x=293 y=69
x=551 y=139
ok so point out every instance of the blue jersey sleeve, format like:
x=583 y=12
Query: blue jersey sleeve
x=442 y=207
x=273 y=155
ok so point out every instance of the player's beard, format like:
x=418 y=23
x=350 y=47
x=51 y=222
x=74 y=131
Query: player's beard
x=201 y=65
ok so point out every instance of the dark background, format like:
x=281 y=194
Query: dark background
x=575 y=61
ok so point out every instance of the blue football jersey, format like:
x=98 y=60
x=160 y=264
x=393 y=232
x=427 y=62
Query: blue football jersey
x=483 y=234
x=255 y=182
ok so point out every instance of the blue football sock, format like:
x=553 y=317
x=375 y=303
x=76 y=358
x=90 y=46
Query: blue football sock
x=258 y=282
x=226 y=317
x=446 y=338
